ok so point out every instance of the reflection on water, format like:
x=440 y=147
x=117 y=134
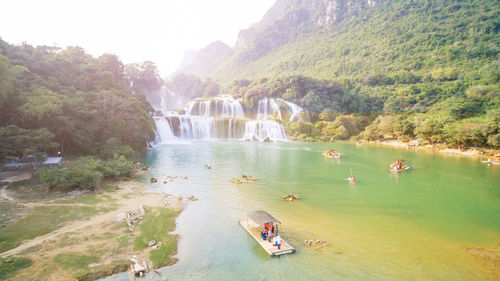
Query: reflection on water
x=412 y=226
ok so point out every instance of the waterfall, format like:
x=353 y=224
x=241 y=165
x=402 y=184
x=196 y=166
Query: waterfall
x=164 y=131
x=293 y=109
x=222 y=106
x=260 y=130
x=268 y=108
x=221 y=117
x=169 y=100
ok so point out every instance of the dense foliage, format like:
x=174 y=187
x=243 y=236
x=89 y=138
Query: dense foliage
x=65 y=100
x=88 y=172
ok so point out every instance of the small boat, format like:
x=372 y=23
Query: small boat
x=255 y=224
x=398 y=166
x=491 y=162
x=351 y=180
x=332 y=154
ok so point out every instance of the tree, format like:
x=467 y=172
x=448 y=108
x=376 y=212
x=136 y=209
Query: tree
x=42 y=103
x=18 y=142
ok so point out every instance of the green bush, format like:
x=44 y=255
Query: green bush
x=54 y=176
x=83 y=176
x=119 y=166
x=88 y=172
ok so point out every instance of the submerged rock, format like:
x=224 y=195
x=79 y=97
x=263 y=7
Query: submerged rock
x=243 y=179
x=316 y=244
x=291 y=197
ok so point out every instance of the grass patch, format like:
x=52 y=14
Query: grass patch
x=157 y=224
x=75 y=261
x=10 y=266
x=108 y=188
x=42 y=220
x=104 y=270
x=82 y=199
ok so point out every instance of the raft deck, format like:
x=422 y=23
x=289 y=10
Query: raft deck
x=268 y=246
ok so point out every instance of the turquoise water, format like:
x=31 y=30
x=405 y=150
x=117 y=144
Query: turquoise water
x=408 y=226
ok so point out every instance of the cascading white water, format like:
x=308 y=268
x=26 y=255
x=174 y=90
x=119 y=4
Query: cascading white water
x=261 y=130
x=222 y=117
x=169 y=100
x=164 y=131
x=223 y=106
x=293 y=109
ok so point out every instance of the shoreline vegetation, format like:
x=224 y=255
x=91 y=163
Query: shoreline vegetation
x=84 y=235
x=441 y=148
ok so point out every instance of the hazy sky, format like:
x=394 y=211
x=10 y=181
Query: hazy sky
x=160 y=31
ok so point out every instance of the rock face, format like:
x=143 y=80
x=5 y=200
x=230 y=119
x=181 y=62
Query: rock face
x=289 y=19
x=286 y=21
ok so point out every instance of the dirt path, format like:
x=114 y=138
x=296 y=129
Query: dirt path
x=134 y=200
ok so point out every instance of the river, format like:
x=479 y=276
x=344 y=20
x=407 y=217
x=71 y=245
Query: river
x=411 y=226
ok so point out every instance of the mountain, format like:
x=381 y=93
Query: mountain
x=288 y=21
x=353 y=39
x=206 y=60
x=188 y=59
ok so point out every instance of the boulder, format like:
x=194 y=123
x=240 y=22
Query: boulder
x=291 y=197
x=153 y=180
x=152 y=243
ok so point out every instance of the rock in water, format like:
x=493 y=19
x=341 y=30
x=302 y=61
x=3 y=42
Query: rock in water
x=153 y=180
x=243 y=179
x=291 y=197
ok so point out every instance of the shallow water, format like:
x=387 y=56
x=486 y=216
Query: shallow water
x=411 y=226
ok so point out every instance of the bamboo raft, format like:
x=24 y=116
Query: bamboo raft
x=252 y=225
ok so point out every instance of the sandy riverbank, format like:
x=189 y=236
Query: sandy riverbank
x=440 y=148
x=90 y=237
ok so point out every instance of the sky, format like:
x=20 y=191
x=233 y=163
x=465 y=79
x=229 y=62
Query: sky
x=160 y=31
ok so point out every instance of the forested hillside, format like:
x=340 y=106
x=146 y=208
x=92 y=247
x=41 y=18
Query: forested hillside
x=65 y=100
x=431 y=68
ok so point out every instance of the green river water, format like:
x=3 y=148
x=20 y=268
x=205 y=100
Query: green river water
x=410 y=226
